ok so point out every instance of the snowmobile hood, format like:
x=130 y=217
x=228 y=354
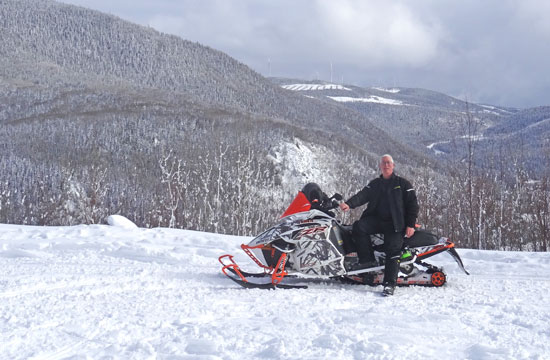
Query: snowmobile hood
x=287 y=225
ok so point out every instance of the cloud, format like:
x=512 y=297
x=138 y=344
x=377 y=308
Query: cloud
x=299 y=38
x=534 y=13
x=377 y=33
x=368 y=32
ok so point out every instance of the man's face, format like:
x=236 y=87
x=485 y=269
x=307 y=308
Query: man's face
x=386 y=166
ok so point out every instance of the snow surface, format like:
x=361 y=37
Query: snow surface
x=99 y=291
x=120 y=221
x=370 y=99
x=495 y=110
x=432 y=147
x=392 y=90
x=306 y=87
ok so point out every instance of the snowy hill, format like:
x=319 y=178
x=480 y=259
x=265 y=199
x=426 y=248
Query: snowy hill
x=99 y=109
x=418 y=116
x=96 y=291
x=438 y=123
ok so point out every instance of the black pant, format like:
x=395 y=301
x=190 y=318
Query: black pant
x=393 y=243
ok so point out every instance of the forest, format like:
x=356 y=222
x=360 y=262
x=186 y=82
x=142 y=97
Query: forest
x=190 y=174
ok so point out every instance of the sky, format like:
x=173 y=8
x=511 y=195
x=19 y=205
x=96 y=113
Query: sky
x=491 y=51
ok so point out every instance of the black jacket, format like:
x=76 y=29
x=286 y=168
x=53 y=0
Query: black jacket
x=403 y=202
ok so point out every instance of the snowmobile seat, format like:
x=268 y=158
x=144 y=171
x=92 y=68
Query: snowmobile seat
x=421 y=238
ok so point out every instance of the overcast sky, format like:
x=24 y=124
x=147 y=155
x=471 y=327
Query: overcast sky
x=490 y=51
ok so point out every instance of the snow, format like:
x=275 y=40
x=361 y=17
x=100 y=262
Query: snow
x=432 y=147
x=304 y=162
x=473 y=137
x=120 y=221
x=485 y=111
x=370 y=99
x=308 y=87
x=100 y=291
x=494 y=110
x=392 y=90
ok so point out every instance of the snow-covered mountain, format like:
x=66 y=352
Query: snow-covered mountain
x=438 y=123
x=54 y=55
x=99 y=109
x=99 y=291
x=417 y=116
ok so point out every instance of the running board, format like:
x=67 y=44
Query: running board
x=379 y=268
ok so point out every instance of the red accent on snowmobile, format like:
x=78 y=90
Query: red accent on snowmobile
x=438 y=278
x=277 y=274
x=299 y=204
x=234 y=269
x=436 y=250
x=433 y=277
x=448 y=246
x=232 y=266
x=247 y=249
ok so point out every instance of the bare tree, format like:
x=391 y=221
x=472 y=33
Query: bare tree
x=173 y=177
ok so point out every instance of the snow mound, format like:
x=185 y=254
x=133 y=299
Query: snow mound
x=121 y=221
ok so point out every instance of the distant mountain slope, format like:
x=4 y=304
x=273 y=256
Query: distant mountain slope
x=517 y=143
x=417 y=117
x=525 y=135
x=522 y=121
x=441 y=126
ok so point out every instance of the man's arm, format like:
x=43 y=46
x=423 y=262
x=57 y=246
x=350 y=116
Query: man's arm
x=358 y=199
x=410 y=203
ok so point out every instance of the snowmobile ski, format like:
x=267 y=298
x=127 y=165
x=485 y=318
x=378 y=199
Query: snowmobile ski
x=241 y=277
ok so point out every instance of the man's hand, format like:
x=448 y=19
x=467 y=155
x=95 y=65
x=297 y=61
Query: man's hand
x=409 y=232
x=344 y=207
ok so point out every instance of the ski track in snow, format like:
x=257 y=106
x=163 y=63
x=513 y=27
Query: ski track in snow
x=102 y=291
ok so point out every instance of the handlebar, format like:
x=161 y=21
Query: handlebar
x=334 y=201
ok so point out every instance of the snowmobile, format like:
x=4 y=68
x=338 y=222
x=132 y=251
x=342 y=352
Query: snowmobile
x=308 y=242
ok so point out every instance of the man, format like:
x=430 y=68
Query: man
x=392 y=210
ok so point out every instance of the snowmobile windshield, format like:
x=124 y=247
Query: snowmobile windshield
x=299 y=204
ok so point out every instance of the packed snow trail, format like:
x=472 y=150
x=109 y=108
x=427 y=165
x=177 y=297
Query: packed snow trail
x=107 y=291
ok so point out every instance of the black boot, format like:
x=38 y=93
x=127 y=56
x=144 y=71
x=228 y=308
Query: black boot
x=391 y=271
x=390 y=275
x=388 y=290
